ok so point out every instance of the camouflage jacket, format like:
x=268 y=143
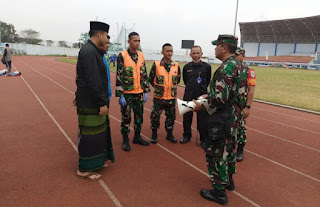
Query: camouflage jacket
x=242 y=87
x=121 y=74
x=225 y=83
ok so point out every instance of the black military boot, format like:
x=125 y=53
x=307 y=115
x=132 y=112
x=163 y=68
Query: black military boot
x=138 y=140
x=125 y=143
x=240 y=152
x=170 y=137
x=218 y=196
x=184 y=140
x=154 y=138
x=230 y=186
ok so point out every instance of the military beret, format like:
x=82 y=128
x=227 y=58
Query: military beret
x=240 y=50
x=94 y=25
x=225 y=38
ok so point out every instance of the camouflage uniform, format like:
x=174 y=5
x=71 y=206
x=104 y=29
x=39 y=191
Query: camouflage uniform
x=134 y=101
x=162 y=104
x=221 y=141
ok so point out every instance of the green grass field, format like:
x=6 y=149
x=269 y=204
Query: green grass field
x=293 y=87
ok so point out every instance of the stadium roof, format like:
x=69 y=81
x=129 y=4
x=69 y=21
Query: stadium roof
x=299 y=30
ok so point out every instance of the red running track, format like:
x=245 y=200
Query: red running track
x=38 y=156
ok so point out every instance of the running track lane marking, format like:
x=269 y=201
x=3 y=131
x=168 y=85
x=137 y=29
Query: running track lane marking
x=286 y=125
x=101 y=182
x=191 y=165
x=114 y=199
x=251 y=116
x=258 y=101
x=296 y=117
x=308 y=176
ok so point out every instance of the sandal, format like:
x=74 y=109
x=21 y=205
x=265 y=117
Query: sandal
x=88 y=176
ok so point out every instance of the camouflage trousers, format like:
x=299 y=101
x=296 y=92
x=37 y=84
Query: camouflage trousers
x=170 y=111
x=134 y=102
x=220 y=156
x=242 y=132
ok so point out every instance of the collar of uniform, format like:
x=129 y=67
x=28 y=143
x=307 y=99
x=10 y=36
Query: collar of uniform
x=200 y=63
x=162 y=63
x=130 y=53
x=100 y=51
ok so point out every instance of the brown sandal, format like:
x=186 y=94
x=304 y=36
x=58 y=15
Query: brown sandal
x=87 y=176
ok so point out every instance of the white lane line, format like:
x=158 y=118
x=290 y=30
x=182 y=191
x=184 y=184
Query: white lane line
x=191 y=165
x=101 y=182
x=288 y=107
x=48 y=78
x=250 y=116
x=56 y=72
x=286 y=125
x=285 y=140
x=172 y=153
x=259 y=101
x=289 y=168
x=254 y=153
x=282 y=114
x=247 y=127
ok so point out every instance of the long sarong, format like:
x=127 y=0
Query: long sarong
x=95 y=145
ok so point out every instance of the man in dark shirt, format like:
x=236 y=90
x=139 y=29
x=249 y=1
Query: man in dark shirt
x=196 y=77
x=92 y=104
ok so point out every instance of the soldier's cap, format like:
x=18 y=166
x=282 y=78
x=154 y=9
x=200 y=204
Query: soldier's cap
x=240 y=50
x=225 y=38
x=94 y=25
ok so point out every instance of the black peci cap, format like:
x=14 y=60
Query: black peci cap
x=94 y=25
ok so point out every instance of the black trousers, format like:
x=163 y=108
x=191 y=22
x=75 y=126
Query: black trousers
x=202 y=124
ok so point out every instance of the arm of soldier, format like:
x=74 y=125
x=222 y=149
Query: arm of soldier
x=152 y=74
x=220 y=89
x=250 y=95
x=209 y=73
x=119 y=78
x=179 y=75
x=145 y=80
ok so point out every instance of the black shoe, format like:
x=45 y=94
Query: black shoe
x=218 y=196
x=240 y=152
x=170 y=137
x=125 y=143
x=230 y=186
x=138 y=140
x=154 y=138
x=184 y=140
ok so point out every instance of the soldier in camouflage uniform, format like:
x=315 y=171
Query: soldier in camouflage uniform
x=132 y=86
x=248 y=85
x=164 y=77
x=223 y=124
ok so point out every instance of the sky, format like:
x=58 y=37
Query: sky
x=156 y=21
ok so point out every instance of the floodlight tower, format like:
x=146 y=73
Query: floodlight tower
x=235 y=21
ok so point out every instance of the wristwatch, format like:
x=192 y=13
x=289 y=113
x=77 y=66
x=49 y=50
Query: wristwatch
x=248 y=106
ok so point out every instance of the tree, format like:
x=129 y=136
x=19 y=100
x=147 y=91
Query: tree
x=49 y=42
x=62 y=44
x=76 y=45
x=30 y=36
x=8 y=33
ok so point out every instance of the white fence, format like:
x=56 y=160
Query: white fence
x=27 y=49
